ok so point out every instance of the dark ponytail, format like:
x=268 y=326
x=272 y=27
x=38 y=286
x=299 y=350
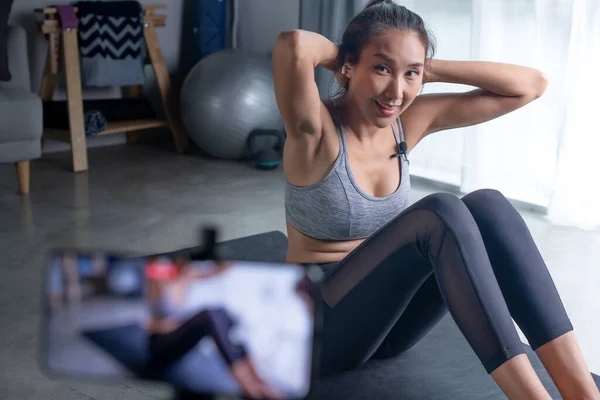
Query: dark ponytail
x=372 y=3
x=376 y=17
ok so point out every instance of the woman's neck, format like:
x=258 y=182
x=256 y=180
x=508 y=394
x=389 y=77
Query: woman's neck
x=355 y=121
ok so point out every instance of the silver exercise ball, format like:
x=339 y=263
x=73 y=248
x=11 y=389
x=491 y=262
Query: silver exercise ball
x=225 y=96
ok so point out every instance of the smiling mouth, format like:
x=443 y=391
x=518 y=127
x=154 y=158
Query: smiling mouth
x=387 y=106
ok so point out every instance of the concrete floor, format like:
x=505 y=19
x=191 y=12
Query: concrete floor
x=144 y=199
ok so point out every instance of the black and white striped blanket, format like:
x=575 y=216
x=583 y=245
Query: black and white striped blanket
x=111 y=43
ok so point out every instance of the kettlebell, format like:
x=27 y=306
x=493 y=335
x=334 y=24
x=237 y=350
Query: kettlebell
x=266 y=156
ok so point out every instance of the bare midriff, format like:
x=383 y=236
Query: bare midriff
x=304 y=249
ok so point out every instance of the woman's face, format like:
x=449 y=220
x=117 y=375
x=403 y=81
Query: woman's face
x=388 y=76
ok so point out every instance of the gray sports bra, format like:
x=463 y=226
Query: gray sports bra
x=336 y=208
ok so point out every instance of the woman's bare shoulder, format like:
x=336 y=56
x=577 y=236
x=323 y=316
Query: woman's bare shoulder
x=414 y=122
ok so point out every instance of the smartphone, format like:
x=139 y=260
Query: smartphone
x=212 y=327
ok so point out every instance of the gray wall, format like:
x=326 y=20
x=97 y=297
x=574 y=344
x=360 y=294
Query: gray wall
x=262 y=20
x=259 y=23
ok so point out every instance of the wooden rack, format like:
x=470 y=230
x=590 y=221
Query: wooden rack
x=65 y=42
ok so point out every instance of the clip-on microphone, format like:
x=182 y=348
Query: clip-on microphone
x=401 y=151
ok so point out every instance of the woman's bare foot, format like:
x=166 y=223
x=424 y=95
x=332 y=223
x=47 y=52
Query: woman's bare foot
x=252 y=386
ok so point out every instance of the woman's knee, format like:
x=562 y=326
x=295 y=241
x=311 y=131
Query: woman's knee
x=484 y=196
x=448 y=207
x=490 y=206
x=485 y=199
x=451 y=216
x=440 y=200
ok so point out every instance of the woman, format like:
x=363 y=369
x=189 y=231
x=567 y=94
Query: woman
x=176 y=329
x=393 y=271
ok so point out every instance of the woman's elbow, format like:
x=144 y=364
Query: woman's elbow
x=540 y=84
x=288 y=42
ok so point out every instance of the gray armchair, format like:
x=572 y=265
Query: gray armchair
x=21 y=112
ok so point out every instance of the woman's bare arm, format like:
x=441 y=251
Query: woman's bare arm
x=295 y=56
x=502 y=88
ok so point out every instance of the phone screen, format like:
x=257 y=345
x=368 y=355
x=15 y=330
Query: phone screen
x=211 y=327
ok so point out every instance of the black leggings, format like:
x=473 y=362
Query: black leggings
x=166 y=348
x=473 y=257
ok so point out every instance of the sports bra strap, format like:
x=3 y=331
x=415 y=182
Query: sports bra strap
x=400 y=128
x=340 y=125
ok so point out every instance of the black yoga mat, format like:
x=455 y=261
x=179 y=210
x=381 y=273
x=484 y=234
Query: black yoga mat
x=440 y=366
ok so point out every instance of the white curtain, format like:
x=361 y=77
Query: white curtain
x=544 y=153
x=576 y=196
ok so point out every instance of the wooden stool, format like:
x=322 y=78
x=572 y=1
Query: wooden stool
x=64 y=40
